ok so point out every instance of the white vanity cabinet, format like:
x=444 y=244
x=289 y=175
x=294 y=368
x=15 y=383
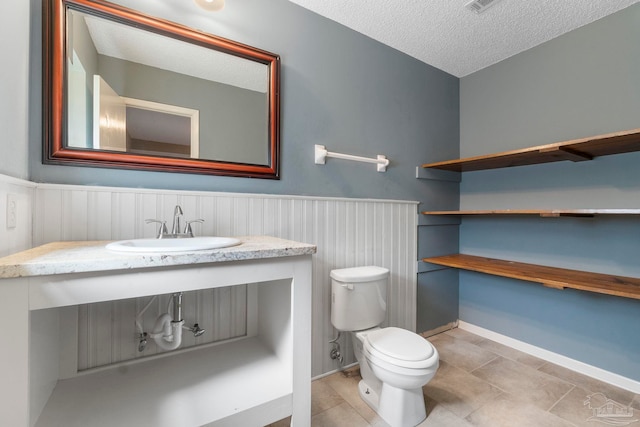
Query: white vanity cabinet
x=249 y=381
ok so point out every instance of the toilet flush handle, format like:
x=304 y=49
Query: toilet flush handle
x=348 y=286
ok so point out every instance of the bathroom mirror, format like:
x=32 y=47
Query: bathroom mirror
x=126 y=90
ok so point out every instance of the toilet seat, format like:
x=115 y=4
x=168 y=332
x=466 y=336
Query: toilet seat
x=400 y=348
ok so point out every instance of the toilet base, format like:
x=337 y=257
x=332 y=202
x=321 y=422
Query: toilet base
x=397 y=407
x=369 y=395
x=401 y=407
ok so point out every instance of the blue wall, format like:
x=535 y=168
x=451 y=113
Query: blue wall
x=339 y=89
x=354 y=95
x=584 y=83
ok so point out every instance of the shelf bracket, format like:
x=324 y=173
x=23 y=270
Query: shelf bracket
x=437 y=174
x=567 y=153
x=554 y=286
x=428 y=267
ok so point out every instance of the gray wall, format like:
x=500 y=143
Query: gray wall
x=339 y=88
x=584 y=83
x=14 y=89
x=352 y=94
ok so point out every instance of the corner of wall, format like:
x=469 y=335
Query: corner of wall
x=20 y=237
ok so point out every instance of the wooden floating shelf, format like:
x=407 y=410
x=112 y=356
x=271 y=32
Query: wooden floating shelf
x=553 y=277
x=547 y=213
x=574 y=150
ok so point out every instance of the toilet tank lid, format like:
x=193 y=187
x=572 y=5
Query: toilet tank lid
x=360 y=274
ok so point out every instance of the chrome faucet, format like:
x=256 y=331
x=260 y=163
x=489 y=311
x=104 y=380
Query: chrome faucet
x=177 y=213
x=163 y=233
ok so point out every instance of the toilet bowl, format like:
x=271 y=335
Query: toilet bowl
x=394 y=363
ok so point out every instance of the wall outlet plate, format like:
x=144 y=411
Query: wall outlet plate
x=12 y=210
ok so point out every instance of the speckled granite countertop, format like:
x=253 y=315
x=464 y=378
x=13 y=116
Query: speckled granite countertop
x=80 y=257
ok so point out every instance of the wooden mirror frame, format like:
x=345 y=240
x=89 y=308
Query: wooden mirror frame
x=54 y=86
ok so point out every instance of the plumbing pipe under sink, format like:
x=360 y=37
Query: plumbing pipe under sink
x=167 y=333
x=167 y=330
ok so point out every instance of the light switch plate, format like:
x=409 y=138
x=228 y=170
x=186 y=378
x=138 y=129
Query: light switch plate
x=12 y=210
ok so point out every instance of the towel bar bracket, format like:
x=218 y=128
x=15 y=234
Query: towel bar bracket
x=321 y=155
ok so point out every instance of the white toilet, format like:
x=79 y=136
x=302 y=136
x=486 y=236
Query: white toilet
x=394 y=363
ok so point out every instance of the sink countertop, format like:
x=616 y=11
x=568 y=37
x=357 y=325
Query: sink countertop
x=91 y=256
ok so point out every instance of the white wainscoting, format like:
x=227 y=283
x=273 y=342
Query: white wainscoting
x=107 y=335
x=17 y=238
x=348 y=232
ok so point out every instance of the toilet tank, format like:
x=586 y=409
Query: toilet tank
x=358 y=297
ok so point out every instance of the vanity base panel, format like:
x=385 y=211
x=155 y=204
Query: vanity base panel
x=209 y=386
x=252 y=381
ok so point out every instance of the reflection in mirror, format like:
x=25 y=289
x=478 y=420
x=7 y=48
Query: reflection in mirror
x=156 y=131
x=141 y=92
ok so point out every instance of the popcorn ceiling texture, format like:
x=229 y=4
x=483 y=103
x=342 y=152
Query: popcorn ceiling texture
x=448 y=36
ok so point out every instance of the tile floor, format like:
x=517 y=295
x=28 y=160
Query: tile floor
x=479 y=383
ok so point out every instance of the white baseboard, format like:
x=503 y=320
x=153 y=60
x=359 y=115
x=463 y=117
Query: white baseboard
x=558 y=359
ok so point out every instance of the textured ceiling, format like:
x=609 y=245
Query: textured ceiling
x=448 y=36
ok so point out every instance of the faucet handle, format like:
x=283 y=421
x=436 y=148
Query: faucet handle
x=162 y=230
x=187 y=228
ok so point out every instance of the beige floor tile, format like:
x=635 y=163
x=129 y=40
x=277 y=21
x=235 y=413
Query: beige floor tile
x=282 y=423
x=636 y=403
x=591 y=384
x=463 y=335
x=439 y=416
x=523 y=382
x=479 y=383
x=461 y=353
x=347 y=388
x=573 y=408
x=342 y=415
x=509 y=411
x=323 y=396
x=459 y=391
x=511 y=353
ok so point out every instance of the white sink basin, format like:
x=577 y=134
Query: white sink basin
x=172 y=245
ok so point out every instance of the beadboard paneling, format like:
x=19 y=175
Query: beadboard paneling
x=107 y=335
x=348 y=233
